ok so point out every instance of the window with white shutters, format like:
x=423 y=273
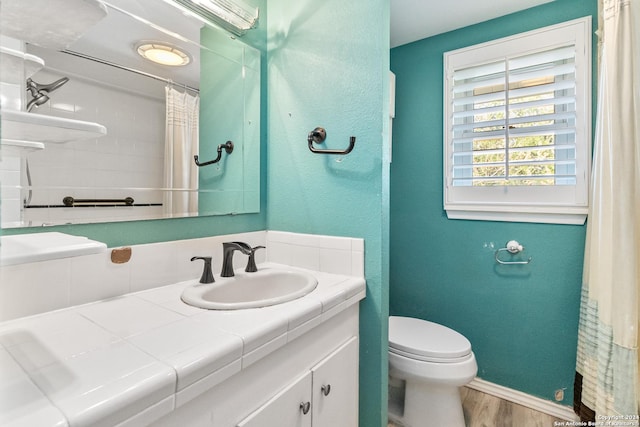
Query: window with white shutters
x=517 y=127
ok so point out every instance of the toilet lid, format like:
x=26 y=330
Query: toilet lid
x=426 y=339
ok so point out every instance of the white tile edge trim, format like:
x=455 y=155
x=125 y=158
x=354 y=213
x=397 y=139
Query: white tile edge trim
x=536 y=403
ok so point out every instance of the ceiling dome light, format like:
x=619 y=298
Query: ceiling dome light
x=163 y=53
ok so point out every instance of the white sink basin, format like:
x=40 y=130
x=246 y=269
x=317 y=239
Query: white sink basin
x=250 y=290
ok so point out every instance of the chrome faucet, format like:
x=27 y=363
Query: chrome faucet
x=228 y=248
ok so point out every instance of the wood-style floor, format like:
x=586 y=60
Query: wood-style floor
x=484 y=410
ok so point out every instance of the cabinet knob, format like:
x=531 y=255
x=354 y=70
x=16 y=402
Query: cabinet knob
x=304 y=407
x=326 y=389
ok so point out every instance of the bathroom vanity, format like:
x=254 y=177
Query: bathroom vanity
x=148 y=358
x=310 y=381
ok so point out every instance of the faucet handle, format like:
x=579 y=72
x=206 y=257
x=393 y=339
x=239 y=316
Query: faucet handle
x=207 y=274
x=251 y=264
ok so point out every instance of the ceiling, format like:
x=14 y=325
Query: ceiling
x=413 y=20
x=130 y=22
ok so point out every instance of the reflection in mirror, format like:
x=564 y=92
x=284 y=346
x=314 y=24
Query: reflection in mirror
x=92 y=131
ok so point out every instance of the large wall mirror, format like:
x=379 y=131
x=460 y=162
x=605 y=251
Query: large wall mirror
x=92 y=131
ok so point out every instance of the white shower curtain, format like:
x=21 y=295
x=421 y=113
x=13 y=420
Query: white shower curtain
x=181 y=144
x=607 y=357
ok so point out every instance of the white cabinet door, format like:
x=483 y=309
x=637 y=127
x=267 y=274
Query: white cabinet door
x=335 y=388
x=325 y=396
x=289 y=408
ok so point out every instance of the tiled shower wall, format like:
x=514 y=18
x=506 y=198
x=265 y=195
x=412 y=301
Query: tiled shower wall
x=10 y=179
x=127 y=162
x=10 y=157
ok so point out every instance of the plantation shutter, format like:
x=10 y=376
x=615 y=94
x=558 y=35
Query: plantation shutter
x=517 y=127
x=514 y=121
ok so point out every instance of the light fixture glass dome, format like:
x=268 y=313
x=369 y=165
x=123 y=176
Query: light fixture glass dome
x=163 y=53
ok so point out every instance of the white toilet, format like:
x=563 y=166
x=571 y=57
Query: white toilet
x=433 y=361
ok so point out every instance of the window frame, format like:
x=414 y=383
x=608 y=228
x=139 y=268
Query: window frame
x=564 y=204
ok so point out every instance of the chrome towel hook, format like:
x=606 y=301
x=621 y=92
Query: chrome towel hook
x=318 y=135
x=513 y=247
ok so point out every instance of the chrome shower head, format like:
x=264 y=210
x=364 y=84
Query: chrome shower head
x=38 y=100
x=40 y=92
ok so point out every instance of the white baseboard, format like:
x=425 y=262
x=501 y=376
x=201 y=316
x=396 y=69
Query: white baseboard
x=541 y=405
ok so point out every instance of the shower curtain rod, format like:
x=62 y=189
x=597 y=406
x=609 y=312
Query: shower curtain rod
x=131 y=70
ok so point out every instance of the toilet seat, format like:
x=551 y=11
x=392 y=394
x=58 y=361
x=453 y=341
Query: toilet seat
x=427 y=341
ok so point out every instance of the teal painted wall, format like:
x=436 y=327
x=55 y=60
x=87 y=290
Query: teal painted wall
x=230 y=84
x=152 y=231
x=522 y=321
x=328 y=65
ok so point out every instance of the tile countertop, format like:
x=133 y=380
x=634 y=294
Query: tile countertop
x=106 y=362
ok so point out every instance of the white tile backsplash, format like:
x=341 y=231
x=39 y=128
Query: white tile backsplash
x=95 y=277
x=305 y=257
x=34 y=288
x=331 y=254
x=155 y=266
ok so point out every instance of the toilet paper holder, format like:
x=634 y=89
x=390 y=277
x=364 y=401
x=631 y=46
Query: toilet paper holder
x=513 y=247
